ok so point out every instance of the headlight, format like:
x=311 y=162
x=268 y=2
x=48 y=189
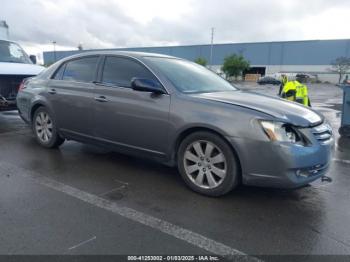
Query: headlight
x=282 y=132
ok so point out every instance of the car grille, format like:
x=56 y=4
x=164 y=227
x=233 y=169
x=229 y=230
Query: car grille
x=323 y=132
x=9 y=85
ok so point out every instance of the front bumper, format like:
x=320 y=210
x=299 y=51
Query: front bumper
x=283 y=165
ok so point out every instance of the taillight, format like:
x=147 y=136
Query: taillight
x=21 y=86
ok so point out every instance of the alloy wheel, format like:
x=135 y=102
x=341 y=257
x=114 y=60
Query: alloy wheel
x=43 y=127
x=205 y=164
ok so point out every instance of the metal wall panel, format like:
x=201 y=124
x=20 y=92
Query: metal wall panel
x=315 y=52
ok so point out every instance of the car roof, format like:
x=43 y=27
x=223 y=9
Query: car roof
x=134 y=54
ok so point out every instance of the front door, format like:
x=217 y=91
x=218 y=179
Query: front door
x=131 y=119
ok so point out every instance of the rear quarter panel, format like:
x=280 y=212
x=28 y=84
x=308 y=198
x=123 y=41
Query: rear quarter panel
x=32 y=97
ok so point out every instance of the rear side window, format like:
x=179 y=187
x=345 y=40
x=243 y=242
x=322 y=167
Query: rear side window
x=119 y=71
x=81 y=70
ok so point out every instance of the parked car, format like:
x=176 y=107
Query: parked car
x=180 y=113
x=305 y=78
x=268 y=80
x=15 y=65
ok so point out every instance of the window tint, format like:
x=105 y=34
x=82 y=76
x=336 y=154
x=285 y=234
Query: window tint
x=119 y=71
x=81 y=70
x=59 y=73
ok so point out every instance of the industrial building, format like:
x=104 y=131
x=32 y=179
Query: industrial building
x=313 y=57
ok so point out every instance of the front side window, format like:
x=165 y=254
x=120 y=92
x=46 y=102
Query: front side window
x=190 y=77
x=119 y=71
x=81 y=70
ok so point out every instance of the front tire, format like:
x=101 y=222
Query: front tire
x=207 y=164
x=45 y=130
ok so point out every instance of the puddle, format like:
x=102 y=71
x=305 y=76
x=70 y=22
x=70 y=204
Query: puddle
x=114 y=196
x=117 y=193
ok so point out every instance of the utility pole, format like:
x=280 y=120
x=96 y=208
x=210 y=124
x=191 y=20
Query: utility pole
x=4 y=30
x=211 y=47
x=54 y=50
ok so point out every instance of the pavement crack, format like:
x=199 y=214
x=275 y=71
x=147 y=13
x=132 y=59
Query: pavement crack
x=113 y=190
x=82 y=243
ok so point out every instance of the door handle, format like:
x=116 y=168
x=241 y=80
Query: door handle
x=101 y=99
x=52 y=91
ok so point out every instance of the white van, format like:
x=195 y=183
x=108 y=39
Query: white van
x=15 y=65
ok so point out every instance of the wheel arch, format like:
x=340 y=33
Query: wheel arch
x=35 y=107
x=184 y=133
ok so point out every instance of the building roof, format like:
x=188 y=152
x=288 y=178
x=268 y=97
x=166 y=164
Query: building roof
x=308 y=52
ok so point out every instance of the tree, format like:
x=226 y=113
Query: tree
x=234 y=65
x=341 y=66
x=201 y=61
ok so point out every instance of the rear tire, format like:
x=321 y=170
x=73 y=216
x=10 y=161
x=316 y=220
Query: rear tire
x=44 y=128
x=207 y=164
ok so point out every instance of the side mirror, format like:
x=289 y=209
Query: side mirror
x=32 y=58
x=146 y=85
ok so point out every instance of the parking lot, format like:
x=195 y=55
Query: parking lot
x=85 y=200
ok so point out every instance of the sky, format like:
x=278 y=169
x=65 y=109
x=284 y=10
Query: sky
x=35 y=24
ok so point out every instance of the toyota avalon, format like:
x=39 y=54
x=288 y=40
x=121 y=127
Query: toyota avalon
x=180 y=113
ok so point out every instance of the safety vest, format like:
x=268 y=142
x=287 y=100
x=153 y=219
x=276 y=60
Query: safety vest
x=297 y=92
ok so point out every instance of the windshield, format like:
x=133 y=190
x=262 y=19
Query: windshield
x=12 y=53
x=190 y=77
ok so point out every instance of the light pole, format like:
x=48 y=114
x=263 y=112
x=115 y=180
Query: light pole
x=211 y=47
x=54 y=50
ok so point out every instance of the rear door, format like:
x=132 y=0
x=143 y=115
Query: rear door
x=131 y=119
x=71 y=95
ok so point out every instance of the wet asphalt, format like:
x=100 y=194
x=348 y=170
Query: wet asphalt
x=36 y=219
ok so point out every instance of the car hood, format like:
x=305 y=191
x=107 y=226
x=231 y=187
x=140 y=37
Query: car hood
x=19 y=69
x=282 y=110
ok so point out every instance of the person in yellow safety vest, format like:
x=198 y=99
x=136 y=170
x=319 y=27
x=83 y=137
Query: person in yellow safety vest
x=284 y=80
x=297 y=92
